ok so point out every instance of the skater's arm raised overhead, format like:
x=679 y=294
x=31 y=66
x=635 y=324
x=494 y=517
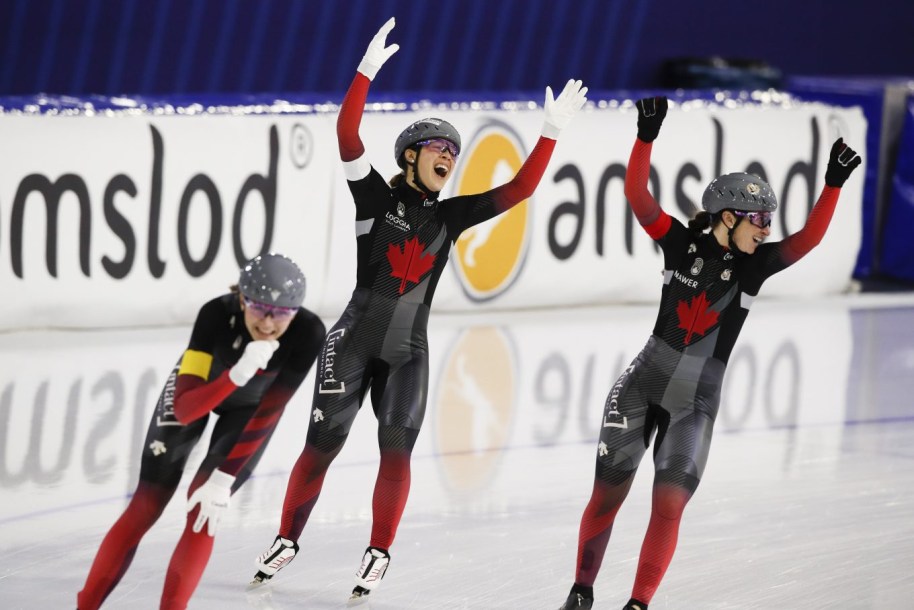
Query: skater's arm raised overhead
x=656 y=222
x=842 y=161
x=558 y=112
x=350 y=117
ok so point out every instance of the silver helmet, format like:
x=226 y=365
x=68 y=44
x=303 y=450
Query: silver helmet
x=424 y=129
x=273 y=279
x=739 y=191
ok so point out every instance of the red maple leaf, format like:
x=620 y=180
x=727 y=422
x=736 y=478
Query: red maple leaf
x=410 y=263
x=696 y=317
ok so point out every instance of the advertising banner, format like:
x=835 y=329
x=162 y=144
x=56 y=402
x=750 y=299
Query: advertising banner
x=136 y=219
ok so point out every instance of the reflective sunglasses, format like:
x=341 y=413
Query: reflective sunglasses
x=759 y=219
x=439 y=145
x=262 y=310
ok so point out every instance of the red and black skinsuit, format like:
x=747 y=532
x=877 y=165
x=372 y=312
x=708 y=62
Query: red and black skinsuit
x=673 y=386
x=403 y=239
x=200 y=384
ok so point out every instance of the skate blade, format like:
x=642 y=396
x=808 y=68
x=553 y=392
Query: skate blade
x=359 y=595
x=260 y=580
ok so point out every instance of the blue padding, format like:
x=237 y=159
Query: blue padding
x=897 y=254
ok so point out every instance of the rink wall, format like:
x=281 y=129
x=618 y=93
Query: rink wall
x=116 y=213
x=75 y=406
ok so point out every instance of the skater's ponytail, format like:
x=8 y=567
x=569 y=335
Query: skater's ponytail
x=701 y=222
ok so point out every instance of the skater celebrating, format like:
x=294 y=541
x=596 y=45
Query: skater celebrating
x=249 y=351
x=673 y=386
x=403 y=237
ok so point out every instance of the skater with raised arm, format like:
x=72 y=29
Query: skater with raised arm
x=713 y=269
x=403 y=236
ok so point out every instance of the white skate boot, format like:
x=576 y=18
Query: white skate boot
x=273 y=560
x=374 y=565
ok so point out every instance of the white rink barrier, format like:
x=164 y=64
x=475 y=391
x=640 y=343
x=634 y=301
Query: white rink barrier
x=75 y=413
x=138 y=218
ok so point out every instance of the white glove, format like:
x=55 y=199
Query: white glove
x=213 y=498
x=377 y=53
x=256 y=356
x=560 y=111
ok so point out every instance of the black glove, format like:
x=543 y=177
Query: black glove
x=651 y=111
x=841 y=162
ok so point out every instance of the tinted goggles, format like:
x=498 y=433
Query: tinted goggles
x=760 y=219
x=439 y=145
x=262 y=310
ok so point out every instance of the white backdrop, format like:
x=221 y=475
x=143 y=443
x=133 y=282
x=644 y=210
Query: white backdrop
x=162 y=196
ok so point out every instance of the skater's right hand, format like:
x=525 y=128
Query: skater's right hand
x=256 y=356
x=651 y=112
x=377 y=53
x=213 y=498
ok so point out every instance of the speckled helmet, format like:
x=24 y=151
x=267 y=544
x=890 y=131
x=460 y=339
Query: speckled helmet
x=424 y=129
x=739 y=191
x=273 y=279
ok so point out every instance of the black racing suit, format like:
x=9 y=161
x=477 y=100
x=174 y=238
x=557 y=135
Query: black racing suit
x=404 y=238
x=673 y=386
x=202 y=384
x=248 y=415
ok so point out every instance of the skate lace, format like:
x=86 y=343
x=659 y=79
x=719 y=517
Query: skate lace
x=377 y=564
x=276 y=558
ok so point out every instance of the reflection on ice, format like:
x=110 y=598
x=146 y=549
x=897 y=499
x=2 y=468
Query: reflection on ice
x=806 y=495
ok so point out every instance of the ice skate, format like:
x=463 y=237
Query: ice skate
x=368 y=577
x=576 y=601
x=634 y=604
x=273 y=560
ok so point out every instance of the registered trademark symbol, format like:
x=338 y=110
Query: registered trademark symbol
x=301 y=146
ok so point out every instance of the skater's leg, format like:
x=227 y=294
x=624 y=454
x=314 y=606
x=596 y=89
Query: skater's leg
x=400 y=397
x=679 y=462
x=166 y=449
x=304 y=488
x=393 y=482
x=192 y=553
x=119 y=546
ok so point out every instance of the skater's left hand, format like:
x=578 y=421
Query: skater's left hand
x=651 y=112
x=841 y=162
x=561 y=110
x=213 y=498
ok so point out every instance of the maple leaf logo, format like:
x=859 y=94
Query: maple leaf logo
x=410 y=263
x=696 y=317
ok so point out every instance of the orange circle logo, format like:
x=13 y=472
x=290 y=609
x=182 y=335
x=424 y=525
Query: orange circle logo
x=475 y=405
x=490 y=255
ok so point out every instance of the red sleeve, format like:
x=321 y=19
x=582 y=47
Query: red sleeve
x=468 y=210
x=799 y=244
x=347 y=124
x=648 y=212
x=527 y=178
x=194 y=397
